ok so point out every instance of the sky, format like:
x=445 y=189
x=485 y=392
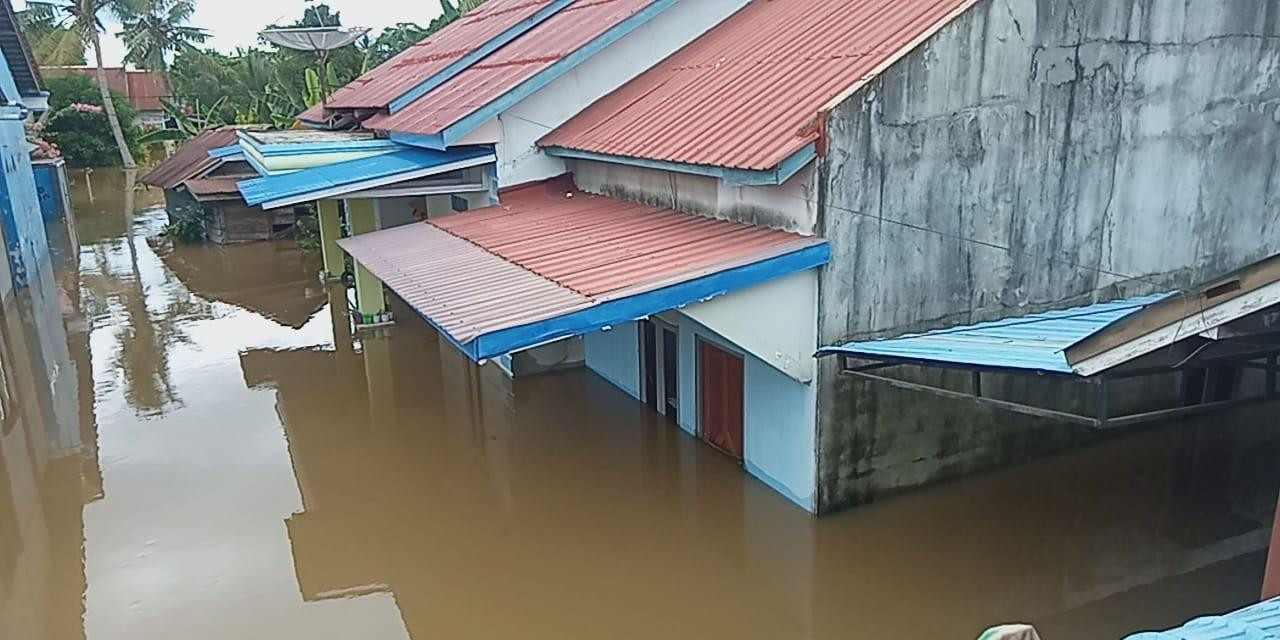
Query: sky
x=235 y=23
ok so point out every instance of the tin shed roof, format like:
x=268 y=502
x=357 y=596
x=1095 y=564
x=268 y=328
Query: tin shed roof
x=541 y=49
x=1035 y=342
x=748 y=94
x=1258 y=622
x=552 y=261
x=192 y=160
x=472 y=36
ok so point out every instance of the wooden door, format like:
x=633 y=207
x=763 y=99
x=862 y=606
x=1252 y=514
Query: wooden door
x=722 y=395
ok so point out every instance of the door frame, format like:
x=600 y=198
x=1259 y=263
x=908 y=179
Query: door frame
x=698 y=340
x=659 y=388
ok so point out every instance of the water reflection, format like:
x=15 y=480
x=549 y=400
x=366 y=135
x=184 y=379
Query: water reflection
x=191 y=448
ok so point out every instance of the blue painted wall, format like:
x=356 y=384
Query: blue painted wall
x=23 y=225
x=615 y=356
x=780 y=417
x=50 y=189
x=780 y=414
x=24 y=233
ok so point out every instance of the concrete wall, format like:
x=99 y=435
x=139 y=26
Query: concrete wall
x=519 y=128
x=1116 y=147
x=792 y=206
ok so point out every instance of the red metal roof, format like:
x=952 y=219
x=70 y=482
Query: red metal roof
x=395 y=77
x=533 y=52
x=748 y=94
x=462 y=288
x=549 y=250
x=143 y=89
x=191 y=160
x=599 y=246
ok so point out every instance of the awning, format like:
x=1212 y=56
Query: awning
x=553 y=262
x=1036 y=343
x=1231 y=322
x=353 y=176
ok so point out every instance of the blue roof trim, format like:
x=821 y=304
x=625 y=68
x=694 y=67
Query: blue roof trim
x=614 y=312
x=733 y=177
x=1258 y=622
x=458 y=130
x=1035 y=342
x=495 y=43
x=356 y=175
x=226 y=152
x=257 y=166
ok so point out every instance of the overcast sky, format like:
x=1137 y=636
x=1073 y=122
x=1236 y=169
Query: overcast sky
x=235 y=23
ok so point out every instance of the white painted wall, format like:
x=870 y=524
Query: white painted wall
x=791 y=206
x=776 y=321
x=522 y=125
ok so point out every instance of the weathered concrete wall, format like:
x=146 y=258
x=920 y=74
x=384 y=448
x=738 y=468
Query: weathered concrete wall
x=791 y=206
x=1034 y=154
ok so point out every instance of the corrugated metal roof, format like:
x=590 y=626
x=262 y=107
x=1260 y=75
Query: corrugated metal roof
x=220 y=188
x=354 y=175
x=550 y=250
x=191 y=160
x=143 y=89
x=395 y=77
x=1034 y=342
x=17 y=54
x=535 y=51
x=748 y=93
x=1258 y=622
x=463 y=289
x=597 y=245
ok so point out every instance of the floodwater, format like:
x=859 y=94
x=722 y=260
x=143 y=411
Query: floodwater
x=193 y=448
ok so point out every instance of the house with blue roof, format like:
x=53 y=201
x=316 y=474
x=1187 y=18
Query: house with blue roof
x=21 y=94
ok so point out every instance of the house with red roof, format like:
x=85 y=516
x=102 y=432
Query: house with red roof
x=145 y=90
x=779 y=222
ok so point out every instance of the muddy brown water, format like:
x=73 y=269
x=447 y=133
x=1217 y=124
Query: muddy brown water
x=204 y=452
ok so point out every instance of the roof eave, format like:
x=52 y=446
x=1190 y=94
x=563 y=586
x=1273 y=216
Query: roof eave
x=779 y=174
x=480 y=53
x=458 y=130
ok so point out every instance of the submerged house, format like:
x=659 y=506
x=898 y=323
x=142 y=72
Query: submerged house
x=696 y=199
x=21 y=93
x=203 y=175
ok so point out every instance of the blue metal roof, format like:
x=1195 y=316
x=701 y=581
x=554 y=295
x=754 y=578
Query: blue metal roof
x=226 y=152
x=1035 y=342
x=1258 y=622
x=357 y=175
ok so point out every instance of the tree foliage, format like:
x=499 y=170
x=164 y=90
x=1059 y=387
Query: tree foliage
x=267 y=84
x=78 y=123
x=154 y=29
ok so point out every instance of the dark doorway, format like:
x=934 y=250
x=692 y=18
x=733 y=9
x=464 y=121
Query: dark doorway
x=649 y=363
x=658 y=350
x=722 y=395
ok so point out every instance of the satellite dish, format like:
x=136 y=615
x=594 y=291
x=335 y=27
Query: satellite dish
x=320 y=40
x=314 y=38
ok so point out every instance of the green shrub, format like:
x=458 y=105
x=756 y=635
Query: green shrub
x=189 y=219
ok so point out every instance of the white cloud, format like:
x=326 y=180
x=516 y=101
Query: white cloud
x=235 y=23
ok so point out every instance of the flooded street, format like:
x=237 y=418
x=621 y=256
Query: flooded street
x=195 y=446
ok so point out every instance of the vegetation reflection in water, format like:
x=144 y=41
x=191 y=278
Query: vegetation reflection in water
x=193 y=447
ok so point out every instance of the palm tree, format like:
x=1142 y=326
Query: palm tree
x=81 y=18
x=155 y=28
